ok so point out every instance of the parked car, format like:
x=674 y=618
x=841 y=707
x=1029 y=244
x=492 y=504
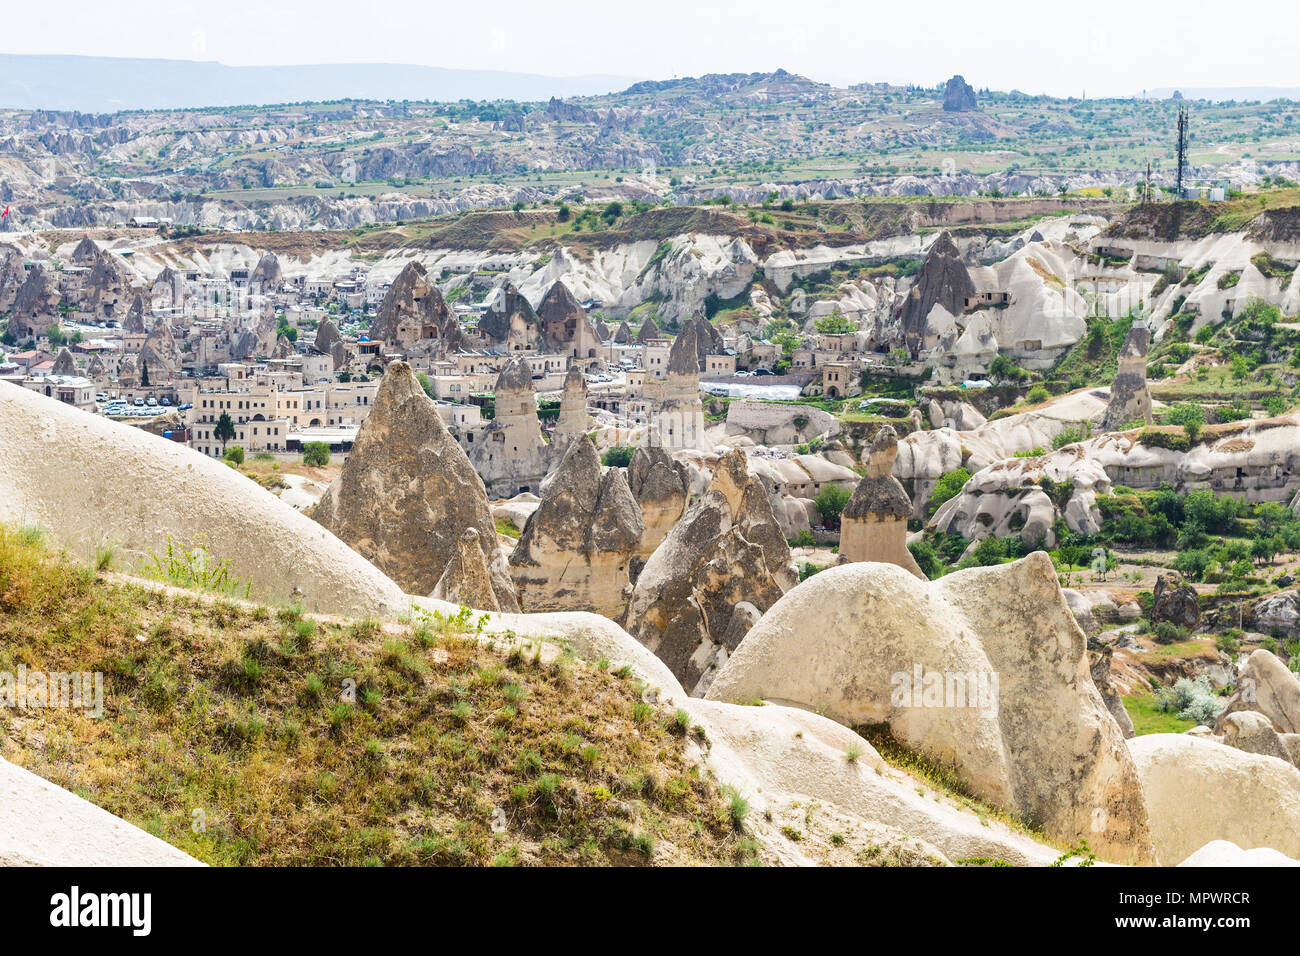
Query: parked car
x=763 y=371
x=138 y=403
x=151 y=401
x=165 y=401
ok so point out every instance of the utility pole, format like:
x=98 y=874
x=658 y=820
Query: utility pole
x=1182 y=147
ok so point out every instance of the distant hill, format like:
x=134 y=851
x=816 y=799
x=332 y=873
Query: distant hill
x=108 y=84
x=1219 y=94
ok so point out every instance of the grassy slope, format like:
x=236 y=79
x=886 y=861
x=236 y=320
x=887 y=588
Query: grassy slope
x=1147 y=720
x=235 y=710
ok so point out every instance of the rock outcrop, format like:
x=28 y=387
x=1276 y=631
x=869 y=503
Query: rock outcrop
x=677 y=421
x=1099 y=667
x=134 y=321
x=407 y=492
x=945 y=283
x=1221 y=853
x=649 y=330
x=36 y=306
x=86 y=252
x=577 y=548
x=1173 y=600
x=1251 y=731
x=160 y=353
x=63 y=364
x=873 y=526
x=726 y=549
x=467 y=580
x=1198 y=790
x=330 y=342
x=414 y=312
x=510 y=320
x=661 y=487
x=573 y=419
x=1130 y=399
x=1267 y=686
x=266 y=275
x=45 y=825
x=959 y=96
x=984 y=669
x=52 y=454
x=564 y=324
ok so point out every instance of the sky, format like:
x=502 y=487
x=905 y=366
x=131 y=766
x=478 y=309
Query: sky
x=1064 y=49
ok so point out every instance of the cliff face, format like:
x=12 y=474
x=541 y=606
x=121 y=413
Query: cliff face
x=944 y=280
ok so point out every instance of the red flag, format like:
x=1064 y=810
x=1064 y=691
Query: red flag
x=6 y=212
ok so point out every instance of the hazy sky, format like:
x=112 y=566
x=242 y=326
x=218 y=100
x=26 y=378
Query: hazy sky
x=1059 y=48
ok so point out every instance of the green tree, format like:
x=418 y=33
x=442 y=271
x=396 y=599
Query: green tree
x=225 y=430
x=144 y=374
x=927 y=559
x=316 y=454
x=833 y=324
x=235 y=455
x=620 y=456
x=830 y=504
x=948 y=486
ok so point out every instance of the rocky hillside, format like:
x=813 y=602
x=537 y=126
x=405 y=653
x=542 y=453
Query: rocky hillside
x=297 y=740
x=345 y=163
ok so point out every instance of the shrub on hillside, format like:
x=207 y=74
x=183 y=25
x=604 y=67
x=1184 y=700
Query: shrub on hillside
x=620 y=456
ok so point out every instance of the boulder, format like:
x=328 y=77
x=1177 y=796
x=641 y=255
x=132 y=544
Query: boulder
x=576 y=550
x=1081 y=608
x=1173 y=600
x=407 y=492
x=45 y=825
x=1279 y=612
x=1251 y=731
x=1198 y=790
x=726 y=549
x=1265 y=685
x=984 y=670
